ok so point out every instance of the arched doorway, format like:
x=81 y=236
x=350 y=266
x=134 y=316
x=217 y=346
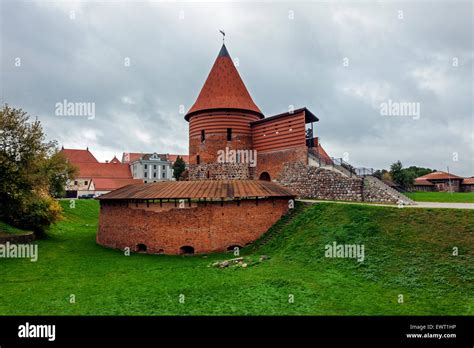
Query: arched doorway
x=265 y=176
x=186 y=250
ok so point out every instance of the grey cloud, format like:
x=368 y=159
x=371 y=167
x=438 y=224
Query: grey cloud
x=283 y=62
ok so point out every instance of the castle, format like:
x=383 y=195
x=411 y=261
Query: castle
x=225 y=118
x=244 y=172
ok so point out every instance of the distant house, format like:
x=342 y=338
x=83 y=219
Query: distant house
x=151 y=167
x=443 y=182
x=93 y=177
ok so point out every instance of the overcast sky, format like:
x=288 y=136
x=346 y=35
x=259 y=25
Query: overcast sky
x=341 y=60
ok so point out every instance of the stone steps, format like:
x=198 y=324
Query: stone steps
x=381 y=185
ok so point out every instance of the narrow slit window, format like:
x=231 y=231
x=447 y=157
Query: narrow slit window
x=229 y=134
x=203 y=135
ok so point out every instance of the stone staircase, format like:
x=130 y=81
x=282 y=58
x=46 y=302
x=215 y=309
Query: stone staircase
x=401 y=198
x=344 y=168
x=316 y=161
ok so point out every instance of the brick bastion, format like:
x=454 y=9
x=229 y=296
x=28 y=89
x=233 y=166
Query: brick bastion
x=187 y=217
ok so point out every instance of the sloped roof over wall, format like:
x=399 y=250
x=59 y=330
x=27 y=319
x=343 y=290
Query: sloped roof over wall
x=209 y=189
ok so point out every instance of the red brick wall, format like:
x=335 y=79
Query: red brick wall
x=279 y=133
x=215 y=125
x=206 y=227
x=274 y=162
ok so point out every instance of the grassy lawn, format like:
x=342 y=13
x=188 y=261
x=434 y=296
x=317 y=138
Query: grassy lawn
x=454 y=197
x=407 y=252
x=7 y=229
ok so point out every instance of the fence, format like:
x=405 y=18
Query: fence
x=340 y=164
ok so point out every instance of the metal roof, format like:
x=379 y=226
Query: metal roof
x=200 y=189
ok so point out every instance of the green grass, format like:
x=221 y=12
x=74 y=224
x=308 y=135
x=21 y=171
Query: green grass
x=447 y=197
x=407 y=251
x=7 y=229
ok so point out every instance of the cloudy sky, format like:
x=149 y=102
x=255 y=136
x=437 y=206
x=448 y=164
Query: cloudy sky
x=142 y=63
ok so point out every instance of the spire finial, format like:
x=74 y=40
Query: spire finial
x=223 y=35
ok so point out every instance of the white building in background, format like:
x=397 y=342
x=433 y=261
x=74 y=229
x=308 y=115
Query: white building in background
x=152 y=168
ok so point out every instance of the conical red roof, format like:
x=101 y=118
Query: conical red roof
x=224 y=89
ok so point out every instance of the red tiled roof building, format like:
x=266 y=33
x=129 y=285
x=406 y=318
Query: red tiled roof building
x=93 y=177
x=440 y=181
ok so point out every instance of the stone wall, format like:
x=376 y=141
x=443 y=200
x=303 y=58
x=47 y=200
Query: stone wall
x=219 y=171
x=207 y=227
x=320 y=183
x=375 y=190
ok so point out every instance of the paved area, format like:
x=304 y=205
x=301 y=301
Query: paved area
x=416 y=205
x=444 y=205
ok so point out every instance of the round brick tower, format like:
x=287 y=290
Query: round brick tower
x=220 y=118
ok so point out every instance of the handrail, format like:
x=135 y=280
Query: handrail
x=339 y=163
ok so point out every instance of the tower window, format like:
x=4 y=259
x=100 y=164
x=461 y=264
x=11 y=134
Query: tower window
x=198 y=159
x=229 y=134
x=203 y=135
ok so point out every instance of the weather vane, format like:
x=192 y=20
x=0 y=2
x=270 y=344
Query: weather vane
x=223 y=35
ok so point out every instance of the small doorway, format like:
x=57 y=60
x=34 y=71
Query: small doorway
x=265 y=176
x=141 y=248
x=186 y=250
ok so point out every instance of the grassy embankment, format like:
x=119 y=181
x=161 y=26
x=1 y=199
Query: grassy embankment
x=407 y=251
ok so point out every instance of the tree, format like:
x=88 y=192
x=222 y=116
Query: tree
x=386 y=176
x=402 y=177
x=379 y=173
x=32 y=170
x=179 y=166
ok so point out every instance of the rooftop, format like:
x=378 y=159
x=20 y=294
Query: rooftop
x=309 y=116
x=106 y=184
x=224 y=89
x=79 y=156
x=208 y=189
x=439 y=175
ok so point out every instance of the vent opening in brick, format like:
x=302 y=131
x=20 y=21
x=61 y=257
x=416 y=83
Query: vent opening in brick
x=186 y=250
x=141 y=248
